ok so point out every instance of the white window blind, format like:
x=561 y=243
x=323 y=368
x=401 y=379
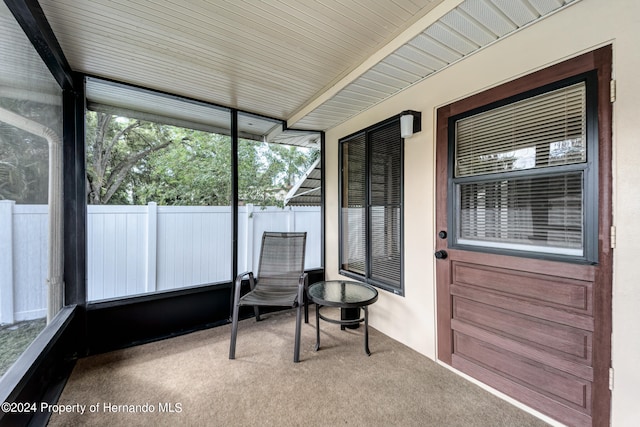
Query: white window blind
x=539 y=213
x=386 y=199
x=542 y=131
x=371 y=204
x=498 y=203
x=354 y=231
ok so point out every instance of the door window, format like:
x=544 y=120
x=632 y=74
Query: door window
x=522 y=177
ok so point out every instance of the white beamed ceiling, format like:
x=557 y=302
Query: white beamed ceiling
x=311 y=63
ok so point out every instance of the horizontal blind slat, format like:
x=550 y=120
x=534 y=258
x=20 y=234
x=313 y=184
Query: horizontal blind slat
x=553 y=125
x=353 y=205
x=540 y=211
x=386 y=198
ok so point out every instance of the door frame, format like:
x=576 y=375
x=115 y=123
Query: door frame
x=601 y=61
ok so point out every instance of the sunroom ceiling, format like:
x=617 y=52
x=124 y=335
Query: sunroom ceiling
x=124 y=100
x=312 y=64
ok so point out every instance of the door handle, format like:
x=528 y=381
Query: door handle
x=441 y=254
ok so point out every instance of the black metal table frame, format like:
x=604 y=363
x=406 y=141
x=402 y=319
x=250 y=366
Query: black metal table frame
x=363 y=305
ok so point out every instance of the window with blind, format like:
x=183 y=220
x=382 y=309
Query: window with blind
x=523 y=177
x=371 y=206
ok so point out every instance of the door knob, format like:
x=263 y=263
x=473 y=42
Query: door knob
x=441 y=254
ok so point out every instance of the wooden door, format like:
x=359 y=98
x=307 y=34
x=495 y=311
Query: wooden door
x=538 y=330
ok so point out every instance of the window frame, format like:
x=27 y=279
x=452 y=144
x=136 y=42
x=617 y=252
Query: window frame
x=367 y=277
x=588 y=169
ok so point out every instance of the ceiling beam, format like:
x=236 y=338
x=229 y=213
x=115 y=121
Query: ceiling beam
x=409 y=34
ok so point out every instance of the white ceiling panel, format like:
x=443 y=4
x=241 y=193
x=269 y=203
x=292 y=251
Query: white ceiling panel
x=349 y=102
x=386 y=82
x=268 y=57
x=520 y=12
x=319 y=119
x=408 y=65
x=397 y=73
x=371 y=88
x=336 y=108
x=450 y=38
x=545 y=6
x=432 y=48
x=469 y=27
x=348 y=94
x=429 y=59
x=489 y=16
x=311 y=63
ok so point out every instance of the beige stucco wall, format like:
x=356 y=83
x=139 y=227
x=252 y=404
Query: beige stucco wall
x=582 y=27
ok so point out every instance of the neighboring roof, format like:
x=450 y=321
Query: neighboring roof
x=307 y=191
x=310 y=64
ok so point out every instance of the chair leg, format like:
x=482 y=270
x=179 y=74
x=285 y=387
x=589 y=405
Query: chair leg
x=234 y=331
x=256 y=311
x=306 y=310
x=296 y=350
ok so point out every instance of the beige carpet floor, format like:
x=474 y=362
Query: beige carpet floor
x=189 y=381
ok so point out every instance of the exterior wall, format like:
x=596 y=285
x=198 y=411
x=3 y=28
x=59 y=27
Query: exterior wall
x=579 y=28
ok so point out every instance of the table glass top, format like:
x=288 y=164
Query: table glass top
x=342 y=292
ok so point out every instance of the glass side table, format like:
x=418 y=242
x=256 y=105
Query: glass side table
x=343 y=294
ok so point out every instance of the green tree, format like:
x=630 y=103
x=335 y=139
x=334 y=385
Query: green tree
x=114 y=146
x=196 y=172
x=135 y=162
x=268 y=171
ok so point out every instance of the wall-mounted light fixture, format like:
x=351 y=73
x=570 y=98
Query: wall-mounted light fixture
x=410 y=123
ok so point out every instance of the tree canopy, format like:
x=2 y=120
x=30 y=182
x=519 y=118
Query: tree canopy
x=136 y=162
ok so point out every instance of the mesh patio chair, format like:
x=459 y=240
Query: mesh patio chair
x=281 y=282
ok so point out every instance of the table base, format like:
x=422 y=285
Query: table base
x=343 y=323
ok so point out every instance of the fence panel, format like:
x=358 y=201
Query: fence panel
x=288 y=219
x=134 y=250
x=245 y=244
x=116 y=243
x=6 y=261
x=194 y=246
x=30 y=237
x=308 y=219
x=268 y=219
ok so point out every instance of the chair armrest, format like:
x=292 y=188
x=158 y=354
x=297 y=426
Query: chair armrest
x=303 y=280
x=303 y=284
x=237 y=284
x=241 y=276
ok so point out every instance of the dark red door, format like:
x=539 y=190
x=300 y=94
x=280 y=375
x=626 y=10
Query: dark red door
x=537 y=330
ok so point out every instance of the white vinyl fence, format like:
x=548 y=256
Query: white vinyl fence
x=23 y=261
x=133 y=250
